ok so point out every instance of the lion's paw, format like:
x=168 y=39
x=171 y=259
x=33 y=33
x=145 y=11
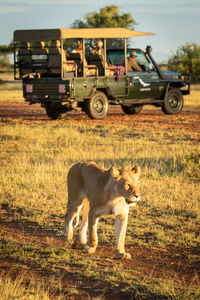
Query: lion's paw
x=89 y=249
x=126 y=256
x=82 y=246
x=77 y=245
x=123 y=255
x=70 y=244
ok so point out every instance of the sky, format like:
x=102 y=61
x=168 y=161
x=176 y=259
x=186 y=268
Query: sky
x=175 y=22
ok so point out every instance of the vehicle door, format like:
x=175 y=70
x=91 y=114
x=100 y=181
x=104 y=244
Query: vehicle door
x=117 y=86
x=146 y=84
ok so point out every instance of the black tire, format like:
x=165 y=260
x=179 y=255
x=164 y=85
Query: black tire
x=52 y=112
x=97 y=106
x=173 y=102
x=132 y=110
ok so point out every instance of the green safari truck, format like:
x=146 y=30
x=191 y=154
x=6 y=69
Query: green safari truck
x=90 y=78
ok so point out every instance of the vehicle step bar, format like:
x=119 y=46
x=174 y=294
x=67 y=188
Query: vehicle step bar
x=142 y=101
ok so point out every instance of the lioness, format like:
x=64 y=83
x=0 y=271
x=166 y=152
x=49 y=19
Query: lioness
x=100 y=192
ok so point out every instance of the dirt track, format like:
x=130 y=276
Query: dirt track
x=149 y=117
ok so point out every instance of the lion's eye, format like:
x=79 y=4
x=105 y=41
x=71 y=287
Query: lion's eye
x=128 y=187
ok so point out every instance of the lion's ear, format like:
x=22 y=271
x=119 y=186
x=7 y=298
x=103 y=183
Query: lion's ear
x=136 y=170
x=114 y=172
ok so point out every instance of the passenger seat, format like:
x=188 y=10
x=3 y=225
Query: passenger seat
x=55 y=59
x=39 y=57
x=24 y=59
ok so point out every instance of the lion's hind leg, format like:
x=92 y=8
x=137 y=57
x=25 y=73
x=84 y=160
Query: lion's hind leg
x=71 y=217
x=93 y=237
x=75 y=199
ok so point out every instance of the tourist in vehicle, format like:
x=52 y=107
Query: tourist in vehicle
x=98 y=48
x=79 y=49
x=132 y=64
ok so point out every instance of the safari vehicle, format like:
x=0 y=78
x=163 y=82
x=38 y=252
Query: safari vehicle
x=61 y=80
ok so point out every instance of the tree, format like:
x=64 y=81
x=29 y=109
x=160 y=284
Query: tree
x=186 y=60
x=6 y=49
x=107 y=17
x=4 y=55
x=4 y=60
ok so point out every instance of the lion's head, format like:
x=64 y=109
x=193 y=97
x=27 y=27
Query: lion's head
x=127 y=184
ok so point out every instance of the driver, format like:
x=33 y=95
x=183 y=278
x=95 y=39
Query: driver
x=132 y=64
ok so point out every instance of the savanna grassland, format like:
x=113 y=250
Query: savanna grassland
x=163 y=230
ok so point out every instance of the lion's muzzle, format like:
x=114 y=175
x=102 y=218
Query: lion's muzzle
x=133 y=200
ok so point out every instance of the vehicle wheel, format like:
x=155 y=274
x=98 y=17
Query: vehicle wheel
x=53 y=113
x=173 y=102
x=97 y=106
x=132 y=110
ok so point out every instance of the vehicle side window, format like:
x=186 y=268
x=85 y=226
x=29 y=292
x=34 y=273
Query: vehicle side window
x=116 y=58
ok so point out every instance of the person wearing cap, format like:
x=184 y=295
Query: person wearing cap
x=132 y=64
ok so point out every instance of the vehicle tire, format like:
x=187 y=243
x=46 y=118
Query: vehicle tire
x=52 y=112
x=132 y=110
x=97 y=106
x=173 y=102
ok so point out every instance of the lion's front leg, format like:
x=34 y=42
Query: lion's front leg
x=120 y=231
x=93 y=238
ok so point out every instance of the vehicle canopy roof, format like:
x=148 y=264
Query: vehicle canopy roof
x=31 y=35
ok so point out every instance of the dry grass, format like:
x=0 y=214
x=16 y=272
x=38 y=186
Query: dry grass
x=10 y=90
x=27 y=287
x=35 y=160
x=193 y=100
x=21 y=288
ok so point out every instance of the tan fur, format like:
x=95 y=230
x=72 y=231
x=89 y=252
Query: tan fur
x=100 y=192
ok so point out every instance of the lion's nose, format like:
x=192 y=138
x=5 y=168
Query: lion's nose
x=137 y=197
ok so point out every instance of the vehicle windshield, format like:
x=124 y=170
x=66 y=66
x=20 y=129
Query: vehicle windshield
x=116 y=57
x=141 y=59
